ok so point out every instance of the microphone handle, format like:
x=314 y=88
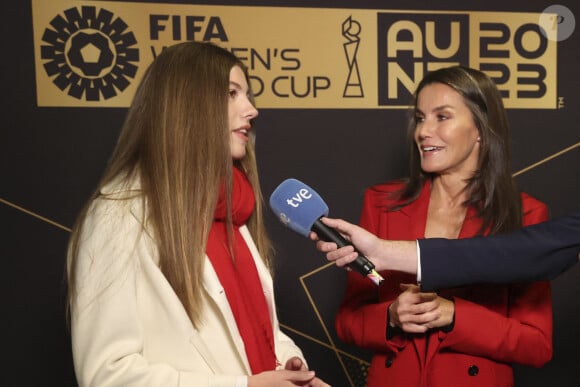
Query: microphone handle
x=328 y=234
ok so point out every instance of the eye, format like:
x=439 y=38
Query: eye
x=419 y=118
x=442 y=117
x=233 y=93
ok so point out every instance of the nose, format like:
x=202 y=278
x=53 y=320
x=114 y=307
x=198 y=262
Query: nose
x=423 y=129
x=250 y=111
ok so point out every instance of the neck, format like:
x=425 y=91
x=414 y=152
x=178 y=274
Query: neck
x=448 y=191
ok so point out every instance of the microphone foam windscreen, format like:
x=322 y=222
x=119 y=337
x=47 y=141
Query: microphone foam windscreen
x=297 y=206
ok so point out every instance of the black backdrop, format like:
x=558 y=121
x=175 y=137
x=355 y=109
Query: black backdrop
x=51 y=159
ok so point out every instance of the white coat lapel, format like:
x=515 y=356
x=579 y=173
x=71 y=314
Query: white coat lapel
x=222 y=313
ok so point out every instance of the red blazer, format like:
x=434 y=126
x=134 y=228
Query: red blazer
x=495 y=325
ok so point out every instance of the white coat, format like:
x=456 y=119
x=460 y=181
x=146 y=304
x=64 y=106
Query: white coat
x=128 y=326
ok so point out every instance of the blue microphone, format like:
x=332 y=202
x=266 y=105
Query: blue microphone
x=300 y=208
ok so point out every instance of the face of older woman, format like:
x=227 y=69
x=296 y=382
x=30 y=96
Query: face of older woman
x=445 y=133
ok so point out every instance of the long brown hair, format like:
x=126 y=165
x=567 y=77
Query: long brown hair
x=491 y=190
x=176 y=141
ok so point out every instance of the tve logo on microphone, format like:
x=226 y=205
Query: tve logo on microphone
x=297 y=205
x=295 y=200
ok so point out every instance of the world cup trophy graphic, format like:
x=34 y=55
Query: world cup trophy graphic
x=351 y=30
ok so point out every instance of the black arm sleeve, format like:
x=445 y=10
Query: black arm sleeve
x=538 y=252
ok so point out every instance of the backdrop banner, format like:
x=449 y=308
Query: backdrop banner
x=333 y=81
x=93 y=53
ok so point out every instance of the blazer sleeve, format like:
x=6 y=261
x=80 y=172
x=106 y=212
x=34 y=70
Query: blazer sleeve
x=538 y=252
x=522 y=334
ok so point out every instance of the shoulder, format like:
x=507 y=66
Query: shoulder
x=533 y=209
x=122 y=188
x=118 y=209
x=530 y=203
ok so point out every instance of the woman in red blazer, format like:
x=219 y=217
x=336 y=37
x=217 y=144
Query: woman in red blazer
x=460 y=186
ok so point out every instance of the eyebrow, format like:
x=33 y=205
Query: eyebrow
x=436 y=109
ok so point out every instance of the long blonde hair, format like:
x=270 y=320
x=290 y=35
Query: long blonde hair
x=176 y=140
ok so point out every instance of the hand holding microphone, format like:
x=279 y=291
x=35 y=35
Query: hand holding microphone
x=300 y=208
x=366 y=244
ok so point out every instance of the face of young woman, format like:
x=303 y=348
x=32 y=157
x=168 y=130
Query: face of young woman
x=240 y=112
x=445 y=133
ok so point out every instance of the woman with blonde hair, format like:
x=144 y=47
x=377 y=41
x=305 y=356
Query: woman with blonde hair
x=169 y=262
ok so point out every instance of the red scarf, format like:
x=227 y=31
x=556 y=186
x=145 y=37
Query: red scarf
x=239 y=277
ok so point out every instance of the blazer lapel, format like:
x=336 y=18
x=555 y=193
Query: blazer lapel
x=409 y=223
x=204 y=340
x=216 y=292
x=471 y=224
x=470 y=227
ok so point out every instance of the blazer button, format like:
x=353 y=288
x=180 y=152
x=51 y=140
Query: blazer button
x=473 y=370
x=389 y=361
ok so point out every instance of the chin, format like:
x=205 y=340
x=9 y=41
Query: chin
x=238 y=155
x=433 y=171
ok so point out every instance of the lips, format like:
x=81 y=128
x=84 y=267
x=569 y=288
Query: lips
x=242 y=132
x=431 y=148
